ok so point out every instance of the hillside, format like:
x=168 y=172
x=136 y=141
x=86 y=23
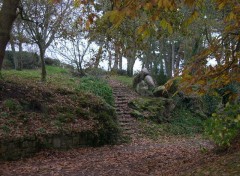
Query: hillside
x=49 y=113
x=38 y=112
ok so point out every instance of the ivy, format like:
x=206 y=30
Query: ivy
x=224 y=126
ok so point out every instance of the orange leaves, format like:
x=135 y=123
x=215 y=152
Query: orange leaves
x=189 y=2
x=148 y=6
x=221 y=4
x=231 y=16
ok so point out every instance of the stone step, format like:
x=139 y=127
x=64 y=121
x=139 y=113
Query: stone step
x=124 y=116
x=123 y=110
x=121 y=102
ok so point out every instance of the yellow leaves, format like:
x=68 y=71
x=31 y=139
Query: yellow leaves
x=166 y=5
x=143 y=31
x=193 y=17
x=77 y=3
x=231 y=16
x=166 y=25
x=116 y=17
x=221 y=5
x=189 y=2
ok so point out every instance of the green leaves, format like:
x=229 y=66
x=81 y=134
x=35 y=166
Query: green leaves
x=224 y=126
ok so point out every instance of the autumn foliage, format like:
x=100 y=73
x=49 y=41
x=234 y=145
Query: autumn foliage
x=197 y=77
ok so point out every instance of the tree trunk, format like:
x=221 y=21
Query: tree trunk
x=44 y=72
x=130 y=65
x=20 y=64
x=173 y=58
x=117 y=54
x=15 y=61
x=120 y=61
x=109 y=60
x=98 y=57
x=7 y=16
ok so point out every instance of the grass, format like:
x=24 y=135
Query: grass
x=56 y=77
x=126 y=80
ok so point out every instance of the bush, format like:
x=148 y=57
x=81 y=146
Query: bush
x=211 y=103
x=97 y=72
x=184 y=122
x=122 y=72
x=224 y=126
x=28 y=60
x=160 y=77
x=52 y=62
x=98 y=87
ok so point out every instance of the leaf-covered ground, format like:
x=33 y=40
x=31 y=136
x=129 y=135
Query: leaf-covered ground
x=27 y=110
x=167 y=156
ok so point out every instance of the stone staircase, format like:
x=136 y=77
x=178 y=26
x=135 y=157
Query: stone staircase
x=122 y=95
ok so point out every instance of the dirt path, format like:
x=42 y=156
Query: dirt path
x=166 y=156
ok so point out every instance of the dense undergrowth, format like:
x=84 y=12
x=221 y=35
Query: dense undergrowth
x=32 y=108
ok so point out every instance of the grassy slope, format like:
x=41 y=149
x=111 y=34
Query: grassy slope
x=57 y=77
x=29 y=107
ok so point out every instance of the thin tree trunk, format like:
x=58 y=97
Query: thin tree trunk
x=44 y=72
x=15 y=61
x=7 y=16
x=120 y=61
x=116 y=59
x=173 y=58
x=109 y=60
x=98 y=57
x=20 y=64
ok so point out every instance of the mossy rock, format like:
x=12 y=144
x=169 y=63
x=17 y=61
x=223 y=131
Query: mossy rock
x=157 y=109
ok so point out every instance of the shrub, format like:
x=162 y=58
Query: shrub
x=98 y=87
x=11 y=105
x=122 y=72
x=224 y=126
x=211 y=103
x=160 y=77
x=97 y=72
x=28 y=60
x=184 y=122
x=52 y=62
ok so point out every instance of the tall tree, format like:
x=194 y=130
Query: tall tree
x=46 y=23
x=8 y=14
